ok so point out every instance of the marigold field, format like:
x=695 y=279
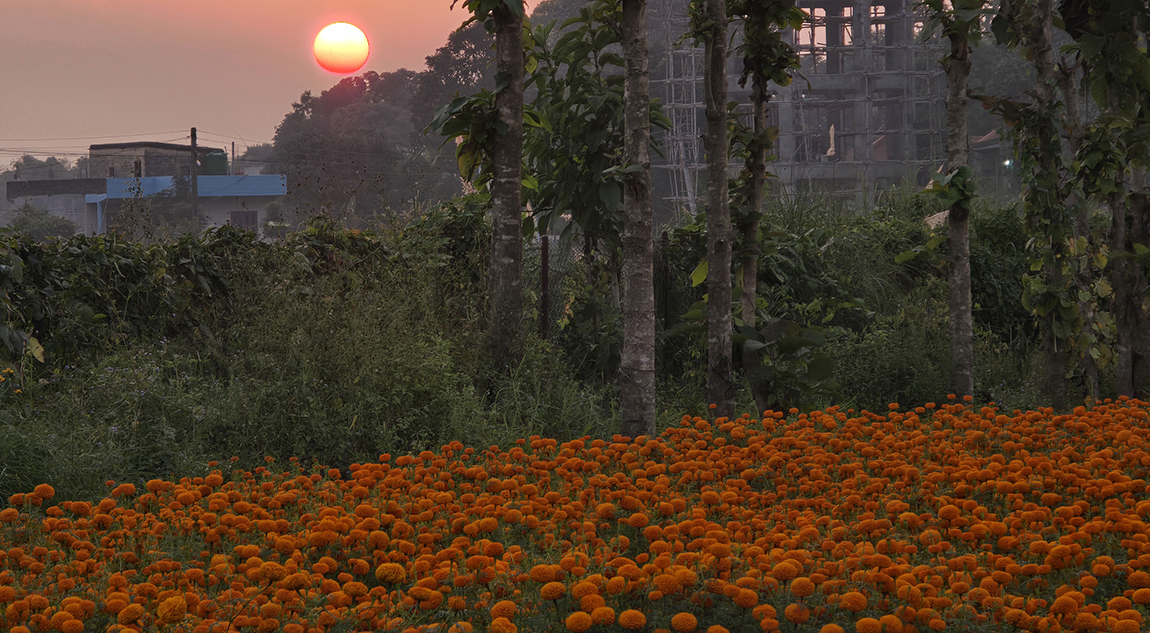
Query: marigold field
x=937 y=518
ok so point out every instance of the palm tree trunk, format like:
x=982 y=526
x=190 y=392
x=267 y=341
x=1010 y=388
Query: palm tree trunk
x=637 y=361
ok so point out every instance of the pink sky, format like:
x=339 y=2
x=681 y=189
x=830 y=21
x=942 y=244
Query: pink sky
x=231 y=68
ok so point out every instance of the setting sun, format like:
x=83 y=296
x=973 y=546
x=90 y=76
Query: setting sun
x=341 y=48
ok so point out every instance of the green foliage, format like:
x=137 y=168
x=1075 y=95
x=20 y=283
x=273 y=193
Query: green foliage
x=959 y=19
x=333 y=345
x=955 y=189
x=576 y=157
x=472 y=122
x=591 y=329
x=84 y=294
x=41 y=224
x=766 y=55
x=800 y=305
x=481 y=10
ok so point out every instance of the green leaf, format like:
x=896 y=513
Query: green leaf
x=611 y=194
x=753 y=345
x=467 y=162
x=820 y=368
x=905 y=257
x=35 y=349
x=700 y=273
x=515 y=6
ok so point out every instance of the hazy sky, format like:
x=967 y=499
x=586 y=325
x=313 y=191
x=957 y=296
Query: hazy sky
x=231 y=68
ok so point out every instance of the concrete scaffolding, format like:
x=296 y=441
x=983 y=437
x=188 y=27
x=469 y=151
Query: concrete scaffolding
x=866 y=112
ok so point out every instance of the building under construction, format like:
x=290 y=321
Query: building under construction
x=868 y=110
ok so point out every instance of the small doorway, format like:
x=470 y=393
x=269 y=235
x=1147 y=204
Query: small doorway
x=245 y=220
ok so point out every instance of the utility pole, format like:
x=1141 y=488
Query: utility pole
x=232 y=171
x=195 y=186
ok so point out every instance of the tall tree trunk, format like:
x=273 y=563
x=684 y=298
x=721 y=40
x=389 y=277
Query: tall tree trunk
x=1057 y=352
x=1122 y=298
x=958 y=225
x=1123 y=319
x=1139 y=290
x=637 y=362
x=720 y=386
x=1067 y=76
x=1131 y=225
x=505 y=276
x=752 y=365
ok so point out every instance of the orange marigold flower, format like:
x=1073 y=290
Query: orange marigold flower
x=802 y=587
x=797 y=613
x=584 y=588
x=686 y=577
x=130 y=614
x=632 y=619
x=603 y=616
x=390 y=573
x=890 y=624
x=44 y=491
x=552 y=591
x=784 y=571
x=716 y=628
x=746 y=598
x=273 y=571
x=541 y=573
x=355 y=589
x=591 y=601
x=666 y=583
x=295 y=581
x=578 y=622
x=1139 y=580
x=831 y=628
x=684 y=622
x=502 y=625
x=853 y=601
x=171 y=610
x=504 y=609
x=1064 y=604
x=868 y=625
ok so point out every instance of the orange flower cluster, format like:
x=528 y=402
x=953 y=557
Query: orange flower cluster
x=937 y=518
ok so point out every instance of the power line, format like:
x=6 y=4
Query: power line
x=71 y=150
x=85 y=138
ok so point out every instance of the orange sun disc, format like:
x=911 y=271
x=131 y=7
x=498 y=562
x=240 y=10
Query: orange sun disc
x=341 y=48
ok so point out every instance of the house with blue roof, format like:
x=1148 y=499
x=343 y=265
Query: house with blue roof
x=144 y=170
